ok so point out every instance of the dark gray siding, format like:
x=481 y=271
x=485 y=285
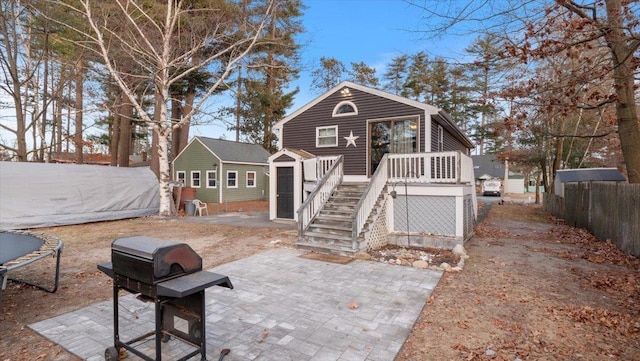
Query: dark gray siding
x=300 y=132
x=450 y=142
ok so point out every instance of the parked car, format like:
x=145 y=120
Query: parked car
x=492 y=187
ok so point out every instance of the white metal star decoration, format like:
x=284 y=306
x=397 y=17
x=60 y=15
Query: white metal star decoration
x=351 y=139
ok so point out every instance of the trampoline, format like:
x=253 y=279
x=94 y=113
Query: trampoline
x=21 y=248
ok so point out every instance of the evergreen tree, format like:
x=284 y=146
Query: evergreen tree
x=396 y=74
x=363 y=74
x=263 y=99
x=328 y=75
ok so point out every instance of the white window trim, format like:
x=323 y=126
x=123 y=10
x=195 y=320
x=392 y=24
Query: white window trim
x=184 y=177
x=199 y=179
x=318 y=145
x=255 y=181
x=227 y=181
x=440 y=138
x=215 y=172
x=335 y=109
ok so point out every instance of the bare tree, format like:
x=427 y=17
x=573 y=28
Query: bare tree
x=530 y=30
x=146 y=35
x=19 y=69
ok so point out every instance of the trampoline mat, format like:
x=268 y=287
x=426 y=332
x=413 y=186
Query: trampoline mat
x=13 y=246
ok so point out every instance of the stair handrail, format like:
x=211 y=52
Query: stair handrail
x=368 y=199
x=320 y=195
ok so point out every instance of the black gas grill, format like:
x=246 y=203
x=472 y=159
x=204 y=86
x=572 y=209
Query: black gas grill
x=169 y=274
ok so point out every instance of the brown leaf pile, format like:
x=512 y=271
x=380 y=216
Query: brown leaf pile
x=591 y=248
x=486 y=231
x=623 y=324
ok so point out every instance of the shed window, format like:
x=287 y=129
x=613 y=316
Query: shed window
x=195 y=179
x=327 y=136
x=232 y=179
x=181 y=177
x=251 y=179
x=212 y=179
x=345 y=108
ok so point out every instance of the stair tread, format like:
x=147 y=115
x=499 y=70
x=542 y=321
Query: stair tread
x=327 y=235
x=330 y=226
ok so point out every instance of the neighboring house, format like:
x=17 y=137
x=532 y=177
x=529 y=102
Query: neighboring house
x=584 y=175
x=223 y=171
x=487 y=166
x=342 y=156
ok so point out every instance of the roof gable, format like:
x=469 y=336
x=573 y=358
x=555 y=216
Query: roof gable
x=430 y=109
x=438 y=115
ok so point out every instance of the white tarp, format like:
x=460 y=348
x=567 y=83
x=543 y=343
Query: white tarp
x=41 y=195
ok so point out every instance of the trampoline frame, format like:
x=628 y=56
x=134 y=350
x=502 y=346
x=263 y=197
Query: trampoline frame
x=52 y=246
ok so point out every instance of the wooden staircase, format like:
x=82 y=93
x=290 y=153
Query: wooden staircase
x=331 y=230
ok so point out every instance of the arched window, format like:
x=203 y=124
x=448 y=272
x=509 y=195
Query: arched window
x=345 y=108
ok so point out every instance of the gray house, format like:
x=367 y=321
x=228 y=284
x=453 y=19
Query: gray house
x=223 y=171
x=488 y=166
x=345 y=153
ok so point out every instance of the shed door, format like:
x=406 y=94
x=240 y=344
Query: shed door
x=284 y=192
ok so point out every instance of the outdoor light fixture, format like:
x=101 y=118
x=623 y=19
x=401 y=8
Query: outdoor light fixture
x=345 y=92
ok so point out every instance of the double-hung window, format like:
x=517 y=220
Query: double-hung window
x=195 y=179
x=212 y=179
x=232 y=179
x=181 y=177
x=327 y=136
x=251 y=179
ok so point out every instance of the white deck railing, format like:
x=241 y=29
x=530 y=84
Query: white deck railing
x=368 y=200
x=442 y=167
x=331 y=178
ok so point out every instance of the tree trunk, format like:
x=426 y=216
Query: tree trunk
x=154 y=163
x=79 y=106
x=115 y=129
x=623 y=75
x=163 y=130
x=188 y=108
x=124 y=143
x=176 y=117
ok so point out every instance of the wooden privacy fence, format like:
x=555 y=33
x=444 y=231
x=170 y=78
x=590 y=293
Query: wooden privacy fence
x=609 y=210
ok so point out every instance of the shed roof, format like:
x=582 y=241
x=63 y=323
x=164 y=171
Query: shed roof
x=235 y=152
x=589 y=174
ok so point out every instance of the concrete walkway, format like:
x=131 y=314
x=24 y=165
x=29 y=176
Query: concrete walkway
x=282 y=307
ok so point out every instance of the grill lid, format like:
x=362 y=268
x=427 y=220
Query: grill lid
x=161 y=255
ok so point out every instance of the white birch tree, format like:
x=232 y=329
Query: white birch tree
x=139 y=44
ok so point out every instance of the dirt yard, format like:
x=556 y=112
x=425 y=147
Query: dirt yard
x=532 y=289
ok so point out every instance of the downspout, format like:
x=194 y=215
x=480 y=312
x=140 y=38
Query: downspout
x=221 y=193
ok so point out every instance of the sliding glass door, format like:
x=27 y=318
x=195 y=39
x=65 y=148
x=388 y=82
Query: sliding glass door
x=391 y=136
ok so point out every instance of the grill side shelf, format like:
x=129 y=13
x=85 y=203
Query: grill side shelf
x=192 y=283
x=106 y=268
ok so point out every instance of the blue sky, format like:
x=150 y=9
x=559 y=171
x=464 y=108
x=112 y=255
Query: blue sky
x=370 y=31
